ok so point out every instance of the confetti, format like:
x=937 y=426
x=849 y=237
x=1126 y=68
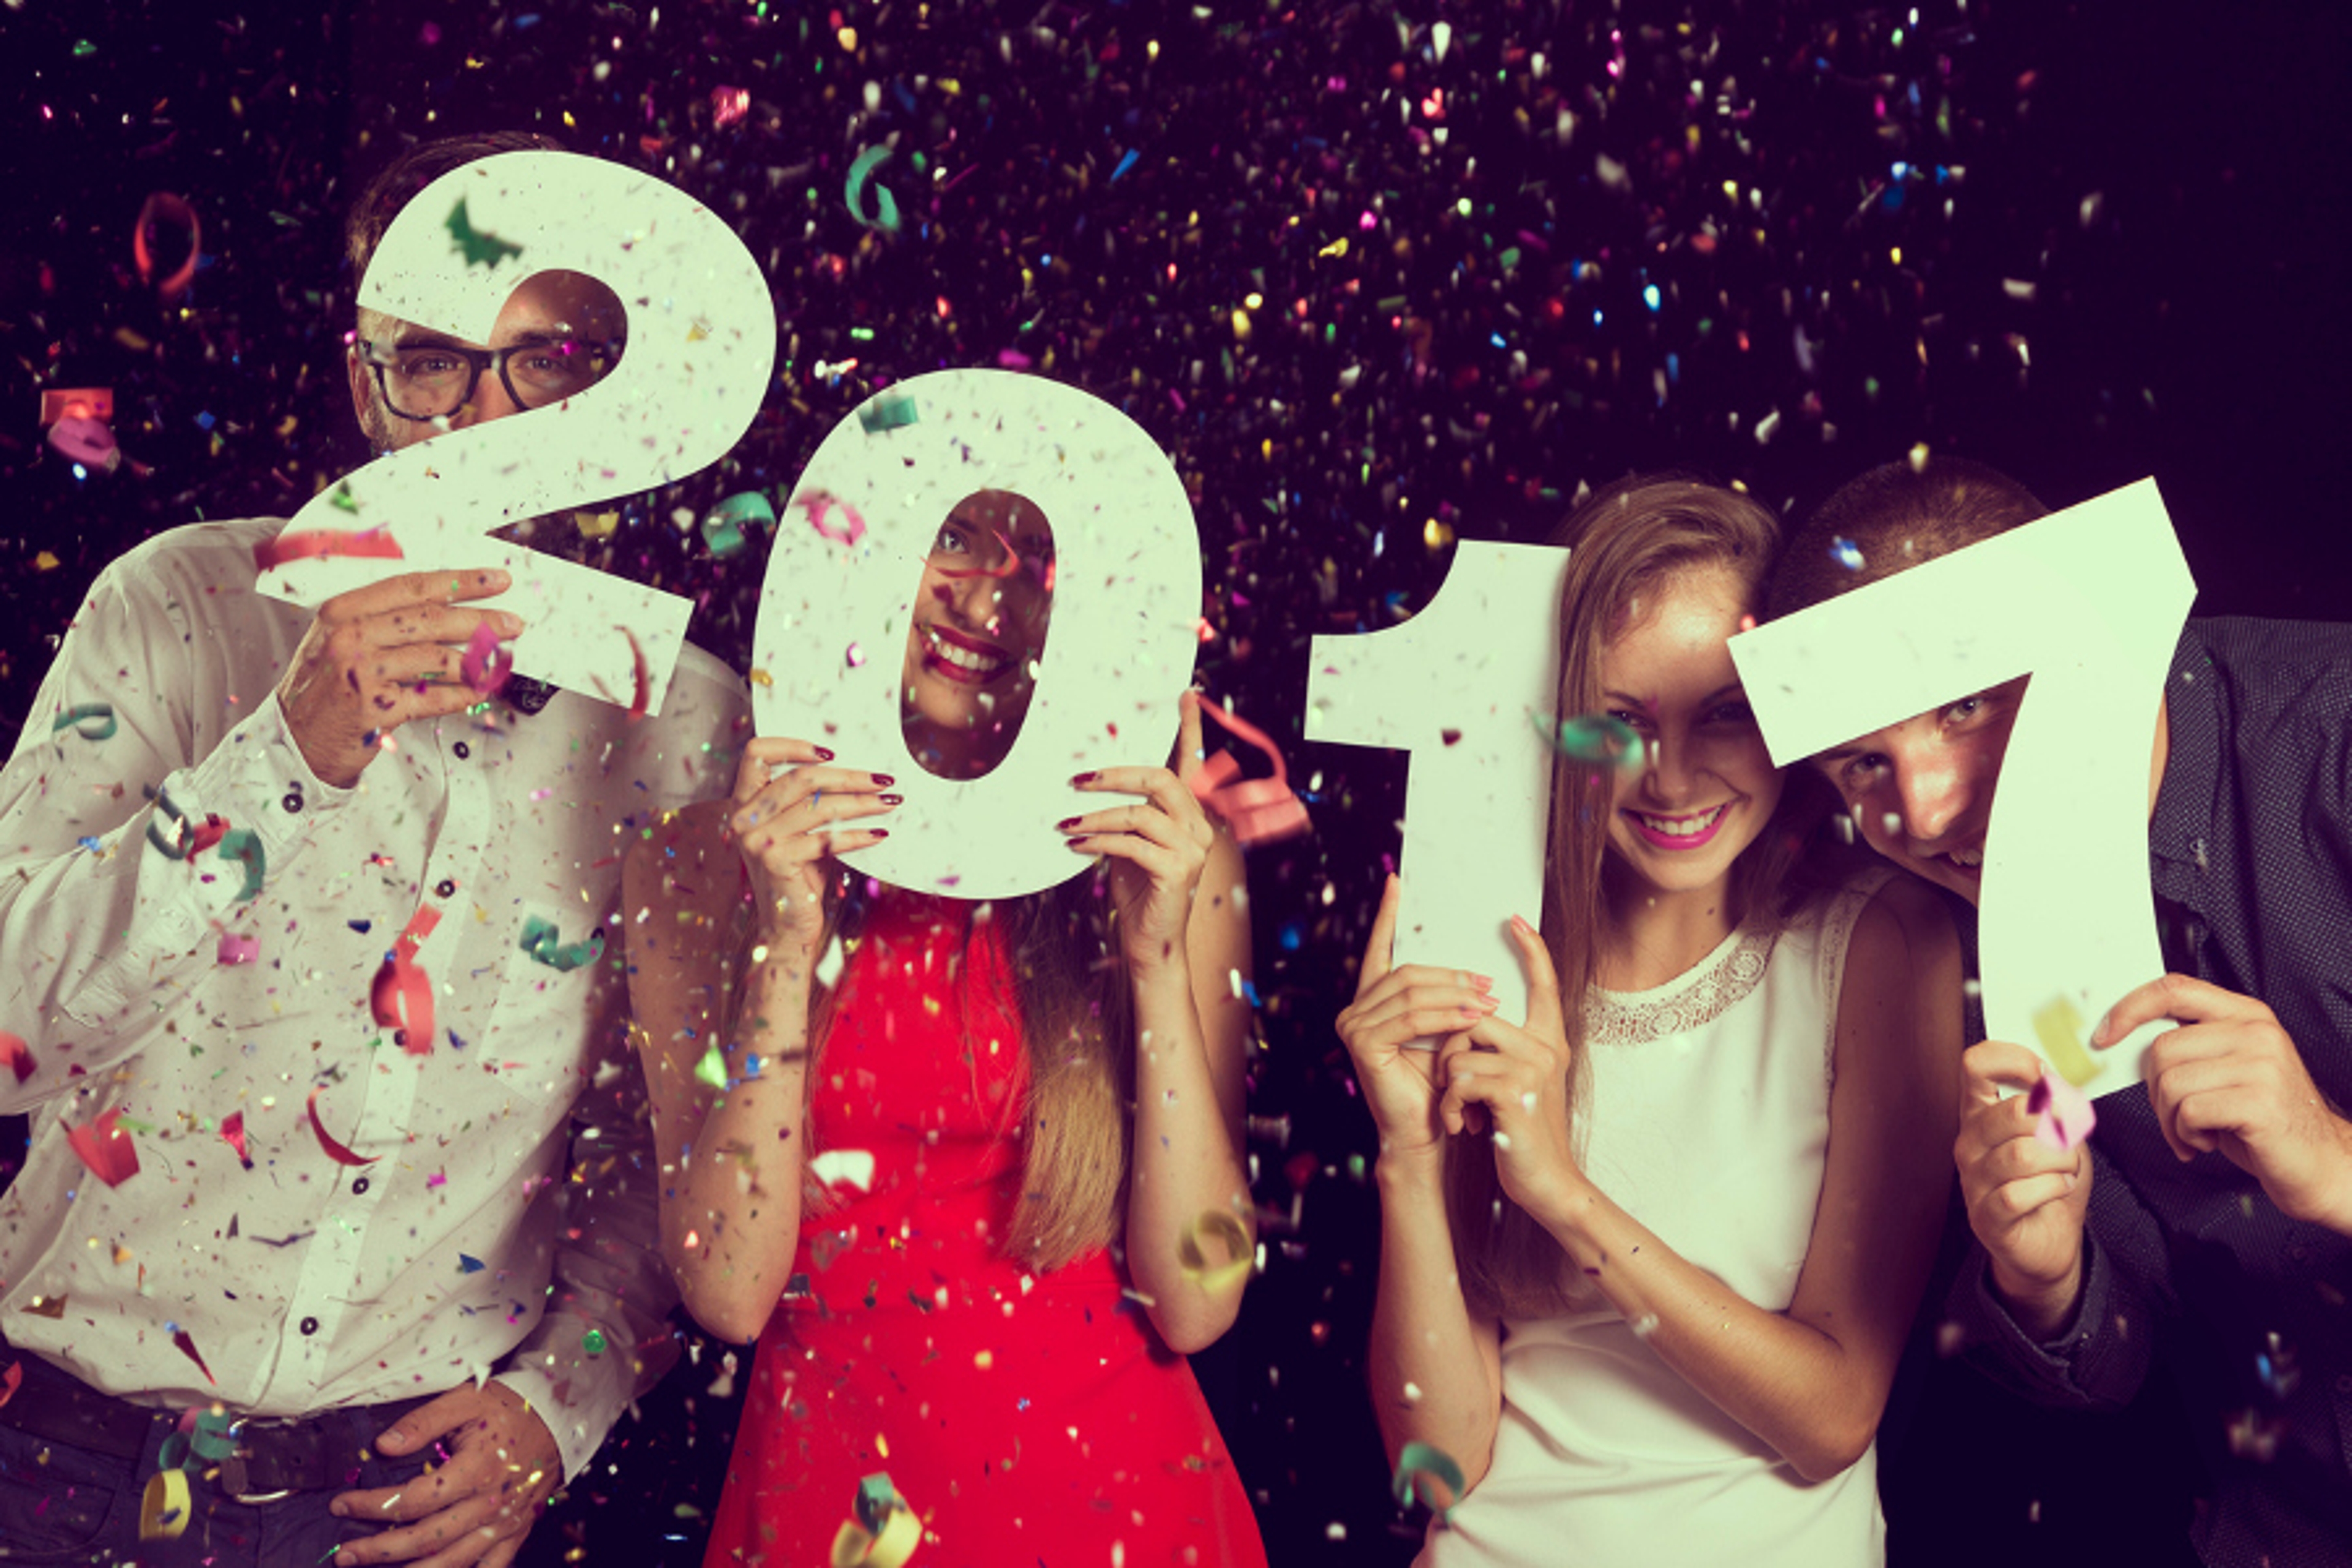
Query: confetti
x=592 y=1342
x=339 y=1153
x=11 y=1380
x=889 y=411
x=479 y=249
x=105 y=1148
x=886 y=206
x=235 y=949
x=1193 y=1260
x=1846 y=553
x=2063 y=1114
x=1595 y=739
x=165 y=259
x=712 y=1068
x=853 y=1167
x=821 y=508
x=16 y=1054
x=244 y=846
x=885 y=1531
x=163 y=1507
x=374 y=545
x=1257 y=811
x=90 y=721
x=488 y=663
x=187 y=1344
x=469 y=1264
x=232 y=1131
x=1420 y=1459
x=541 y=940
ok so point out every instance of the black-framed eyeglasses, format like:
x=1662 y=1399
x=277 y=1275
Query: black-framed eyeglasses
x=432 y=381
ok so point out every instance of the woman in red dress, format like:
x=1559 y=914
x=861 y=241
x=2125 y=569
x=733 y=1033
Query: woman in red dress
x=976 y=1196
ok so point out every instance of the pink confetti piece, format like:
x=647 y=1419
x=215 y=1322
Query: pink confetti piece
x=187 y=1344
x=820 y=508
x=401 y=996
x=11 y=1380
x=1257 y=811
x=2063 y=1116
x=106 y=1149
x=232 y=1131
x=235 y=949
x=487 y=664
x=17 y=1055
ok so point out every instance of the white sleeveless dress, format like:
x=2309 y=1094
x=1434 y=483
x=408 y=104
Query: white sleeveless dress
x=1710 y=1122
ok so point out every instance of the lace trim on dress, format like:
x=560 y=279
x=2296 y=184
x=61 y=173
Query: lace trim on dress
x=1699 y=995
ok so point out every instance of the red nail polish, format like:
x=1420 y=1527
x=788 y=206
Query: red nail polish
x=885 y=780
x=1087 y=777
x=1066 y=824
x=894 y=800
x=824 y=755
x=879 y=832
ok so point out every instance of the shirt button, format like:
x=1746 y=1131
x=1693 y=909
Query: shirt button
x=359 y=1186
x=463 y=751
x=310 y=1325
x=445 y=889
x=293 y=801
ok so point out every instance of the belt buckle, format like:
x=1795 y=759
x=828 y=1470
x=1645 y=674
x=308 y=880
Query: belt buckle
x=234 y=1480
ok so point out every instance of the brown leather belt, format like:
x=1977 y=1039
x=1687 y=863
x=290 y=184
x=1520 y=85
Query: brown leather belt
x=273 y=1458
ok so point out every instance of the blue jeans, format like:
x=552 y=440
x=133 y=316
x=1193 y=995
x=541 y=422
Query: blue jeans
x=60 y=1504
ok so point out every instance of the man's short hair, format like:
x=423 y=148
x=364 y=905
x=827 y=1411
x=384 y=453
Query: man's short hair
x=401 y=180
x=1895 y=516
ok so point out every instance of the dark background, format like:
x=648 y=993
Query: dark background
x=2084 y=242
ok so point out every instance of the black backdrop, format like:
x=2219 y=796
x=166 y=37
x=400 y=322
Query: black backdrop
x=2085 y=242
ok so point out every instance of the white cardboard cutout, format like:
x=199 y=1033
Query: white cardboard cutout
x=1481 y=664
x=702 y=342
x=1118 y=648
x=2090 y=601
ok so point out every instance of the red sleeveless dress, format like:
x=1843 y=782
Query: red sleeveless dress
x=1026 y=1418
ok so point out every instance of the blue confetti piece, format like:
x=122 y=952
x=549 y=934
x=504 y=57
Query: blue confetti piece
x=1125 y=164
x=466 y=1265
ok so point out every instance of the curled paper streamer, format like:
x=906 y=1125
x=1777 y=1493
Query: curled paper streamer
x=821 y=506
x=105 y=1148
x=312 y=542
x=211 y=1434
x=1258 y=811
x=163 y=1508
x=86 y=441
x=232 y=1131
x=243 y=844
x=1420 y=1459
x=401 y=996
x=1195 y=1263
x=886 y=1531
x=159 y=262
x=487 y=664
x=886 y=206
x=887 y=411
x=541 y=940
x=11 y=1380
x=16 y=1054
x=2063 y=1114
x=90 y=721
x=722 y=530
x=339 y=1153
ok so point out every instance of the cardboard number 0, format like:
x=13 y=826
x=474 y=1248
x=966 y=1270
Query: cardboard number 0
x=2090 y=602
x=702 y=342
x=1459 y=688
x=838 y=604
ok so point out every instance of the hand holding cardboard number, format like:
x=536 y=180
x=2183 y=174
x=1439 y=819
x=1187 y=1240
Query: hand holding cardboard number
x=1517 y=1074
x=1159 y=846
x=2026 y=1198
x=1393 y=1008
x=781 y=823
x=378 y=656
x=2230 y=1081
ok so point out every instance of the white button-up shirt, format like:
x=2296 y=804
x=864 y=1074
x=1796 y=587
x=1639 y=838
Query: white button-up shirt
x=504 y=1219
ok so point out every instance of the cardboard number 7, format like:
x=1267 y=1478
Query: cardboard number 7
x=1459 y=689
x=702 y=342
x=2090 y=603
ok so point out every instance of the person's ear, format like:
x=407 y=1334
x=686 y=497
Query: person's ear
x=367 y=407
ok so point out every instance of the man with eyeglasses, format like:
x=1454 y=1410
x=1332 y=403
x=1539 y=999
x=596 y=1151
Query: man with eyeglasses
x=336 y=1232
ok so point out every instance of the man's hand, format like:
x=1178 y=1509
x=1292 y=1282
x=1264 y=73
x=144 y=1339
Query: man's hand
x=377 y=657
x=2025 y=1199
x=477 y=1508
x=2231 y=1079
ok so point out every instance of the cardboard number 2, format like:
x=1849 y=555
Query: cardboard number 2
x=838 y=605
x=1461 y=688
x=2089 y=601
x=702 y=342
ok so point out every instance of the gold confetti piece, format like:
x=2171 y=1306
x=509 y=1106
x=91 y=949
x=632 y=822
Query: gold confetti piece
x=2059 y=1027
x=163 y=1511
x=1194 y=1262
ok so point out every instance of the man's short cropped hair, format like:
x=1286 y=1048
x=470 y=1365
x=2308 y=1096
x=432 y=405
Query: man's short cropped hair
x=1895 y=516
x=400 y=181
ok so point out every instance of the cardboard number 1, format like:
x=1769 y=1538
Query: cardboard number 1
x=838 y=605
x=1460 y=688
x=702 y=342
x=2090 y=602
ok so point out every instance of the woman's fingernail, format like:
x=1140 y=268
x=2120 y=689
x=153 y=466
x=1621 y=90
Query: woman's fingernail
x=894 y=800
x=1066 y=824
x=879 y=832
x=2099 y=1029
x=824 y=755
x=884 y=780
x=1087 y=777
x=1482 y=982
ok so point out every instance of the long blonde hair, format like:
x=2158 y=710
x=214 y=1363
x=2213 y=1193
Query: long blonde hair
x=1626 y=543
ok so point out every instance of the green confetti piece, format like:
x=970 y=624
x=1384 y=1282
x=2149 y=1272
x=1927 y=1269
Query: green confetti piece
x=473 y=244
x=876 y=1500
x=712 y=1068
x=592 y=1342
x=245 y=845
x=890 y=411
x=1595 y=739
x=1420 y=1459
x=542 y=942
x=886 y=206
x=90 y=721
